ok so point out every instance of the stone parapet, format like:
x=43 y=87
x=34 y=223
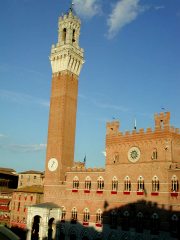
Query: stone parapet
x=83 y=169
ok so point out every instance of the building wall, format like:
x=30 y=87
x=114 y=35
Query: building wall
x=20 y=201
x=30 y=178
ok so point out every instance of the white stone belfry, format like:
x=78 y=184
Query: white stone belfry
x=66 y=54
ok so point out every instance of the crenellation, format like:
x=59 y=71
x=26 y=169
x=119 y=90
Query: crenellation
x=134 y=132
x=177 y=130
x=149 y=130
x=83 y=169
x=141 y=130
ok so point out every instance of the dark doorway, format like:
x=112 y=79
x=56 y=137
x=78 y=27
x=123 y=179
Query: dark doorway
x=35 y=228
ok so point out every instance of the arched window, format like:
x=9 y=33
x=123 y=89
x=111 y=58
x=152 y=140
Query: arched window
x=113 y=219
x=127 y=184
x=73 y=36
x=99 y=217
x=140 y=184
x=100 y=184
x=116 y=158
x=139 y=222
x=174 y=184
x=125 y=222
x=174 y=225
x=86 y=215
x=64 y=35
x=154 y=154
x=87 y=184
x=63 y=216
x=114 y=184
x=155 y=184
x=75 y=183
x=74 y=215
x=155 y=224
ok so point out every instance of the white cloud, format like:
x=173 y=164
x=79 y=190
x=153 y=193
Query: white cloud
x=123 y=13
x=2 y=135
x=159 y=7
x=110 y=106
x=104 y=153
x=22 y=98
x=87 y=8
x=24 y=148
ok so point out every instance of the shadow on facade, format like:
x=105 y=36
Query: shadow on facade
x=138 y=220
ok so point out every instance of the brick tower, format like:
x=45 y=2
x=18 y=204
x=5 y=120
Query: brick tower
x=66 y=61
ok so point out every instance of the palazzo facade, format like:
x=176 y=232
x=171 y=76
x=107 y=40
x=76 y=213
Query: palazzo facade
x=136 y=195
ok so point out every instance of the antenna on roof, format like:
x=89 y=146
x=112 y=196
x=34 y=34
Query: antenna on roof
x=71 y=7
x=134 y=123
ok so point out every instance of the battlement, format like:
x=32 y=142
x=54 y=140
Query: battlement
x=161 y=125
x=84 y=169
x=68 y=16
x=162 y=120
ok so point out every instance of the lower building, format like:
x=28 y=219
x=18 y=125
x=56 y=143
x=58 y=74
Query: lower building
x=8 y=182
x=21 y=199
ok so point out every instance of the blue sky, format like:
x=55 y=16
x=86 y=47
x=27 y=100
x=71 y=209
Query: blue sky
x=131 y=70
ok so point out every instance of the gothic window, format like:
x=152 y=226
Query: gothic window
x=155 y=184
x=139 y=222
x=113 y=219
x=155 y=224
x=154 y=154
x=140 y=184
x=114 y=184
x=64 y=35
x=88 y=183
x=100 y=183
x=127 y=184
x=18 y=208
x=86 y=215
x=125 y=222
x=63 y=216
x=174 y=225
x=74 y=215
x=75 y=182
x=99 y=216
x=116 y=158
x=174 y=184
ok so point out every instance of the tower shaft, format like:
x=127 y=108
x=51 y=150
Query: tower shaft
x=66 y=61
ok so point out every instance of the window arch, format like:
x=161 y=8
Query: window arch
x=63 y=216
x=140 y=184
x=75 y=183
x=64 y=35
x=88 y=183
x=74 y=214
x=139 y=222
x=114 y=184
x=154 y=154
x=86 y=215
x=73 y=36
x=174 y=225
x=127 y=184
x=155 y=224
x=100 y=183
x=155 y=184
x=125 y=222
x=174 y=184
x=99 y=217
x=113 y=219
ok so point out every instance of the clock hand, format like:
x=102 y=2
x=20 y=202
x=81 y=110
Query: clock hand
x=52 y=164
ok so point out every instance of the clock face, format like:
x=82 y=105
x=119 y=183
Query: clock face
x=52 y=164
x=134 y=154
